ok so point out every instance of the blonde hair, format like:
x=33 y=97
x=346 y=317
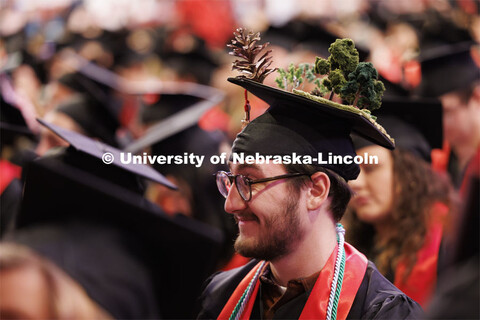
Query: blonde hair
x=66 y=298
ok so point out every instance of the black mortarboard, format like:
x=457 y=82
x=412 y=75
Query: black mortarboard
x=305 y=34
x=179 y=106
x=175 y=131
x=436 y=29
x=129 y=256
x=192 y=59
x=89 y=154
x=12 y=123
x=448 y=68
x=180 y=140
x=296 y=124
x=94 y=110
x=415 y=124
x=165 y=106
x=393 y=89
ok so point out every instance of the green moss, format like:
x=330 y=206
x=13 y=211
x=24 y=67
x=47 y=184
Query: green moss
x=364 y=113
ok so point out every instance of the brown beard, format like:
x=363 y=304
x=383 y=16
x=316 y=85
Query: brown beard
x=282 y=231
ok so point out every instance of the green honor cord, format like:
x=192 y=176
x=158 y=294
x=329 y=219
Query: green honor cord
x=337 y=275
x=242 y=302
x=334 y=291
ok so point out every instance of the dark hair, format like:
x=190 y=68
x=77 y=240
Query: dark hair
x=465 y=94
x=339 y=194
x=416 y=188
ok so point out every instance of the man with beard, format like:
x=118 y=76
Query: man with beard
x=288 y=218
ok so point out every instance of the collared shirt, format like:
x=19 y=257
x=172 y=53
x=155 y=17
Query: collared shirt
x=274 y=296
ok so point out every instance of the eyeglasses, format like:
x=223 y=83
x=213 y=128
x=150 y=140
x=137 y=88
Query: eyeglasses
x=243 y=184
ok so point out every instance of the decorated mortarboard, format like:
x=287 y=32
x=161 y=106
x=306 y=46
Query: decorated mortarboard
x=449 y=68
x=129 y=256
x=415 y=124
x=308 y=123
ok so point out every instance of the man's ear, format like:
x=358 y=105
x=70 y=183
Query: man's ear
x=318 y=192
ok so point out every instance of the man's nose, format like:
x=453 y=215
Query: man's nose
x=234 y=202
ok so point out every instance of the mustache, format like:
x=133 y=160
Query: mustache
x=245 y=216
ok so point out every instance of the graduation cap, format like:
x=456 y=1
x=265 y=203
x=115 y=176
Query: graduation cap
x=93 y=109
x=12 y=123
x=189 y=55
x=179 y=106
x=415 y=124
x=165 y=106
x=174 y=131
x=130 y=257
x=296 y=124
x=436 y=29
x=449 y=68
x=187 y=136
x=91 y=152
x=305 y=34
x=15 y=118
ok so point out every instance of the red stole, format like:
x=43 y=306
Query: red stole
x=420 y=283
x=316 y=306
x=8 y=172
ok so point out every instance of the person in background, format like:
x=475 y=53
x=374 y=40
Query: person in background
x=197 y=197
x=459 y=91
x=84 y=106
x=402 y=195
x=92 y=222
x=34 y=288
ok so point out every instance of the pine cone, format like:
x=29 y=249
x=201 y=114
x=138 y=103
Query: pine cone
x=244 y=47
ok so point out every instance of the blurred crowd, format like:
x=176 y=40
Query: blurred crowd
x=150 y=76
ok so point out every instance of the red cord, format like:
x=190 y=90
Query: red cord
x=247 y=107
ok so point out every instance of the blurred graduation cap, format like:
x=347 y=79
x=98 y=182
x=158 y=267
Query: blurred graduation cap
x=129 y=256
x=296 y=124
x=139 y=45
x=175 y=131
x=179 y=138
x=393 y=90
x=173 y=119
x=308 y=35
x=13 y=115
x=178 y=107
x=449 y=68
x=189 y=55
x=437 y=29
x=88 y=154
x=182 y=103
x=415 y=124
x=12 y=123
x=94 y=108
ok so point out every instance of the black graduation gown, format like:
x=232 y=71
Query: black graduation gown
x=377 y=298
x=10 y=200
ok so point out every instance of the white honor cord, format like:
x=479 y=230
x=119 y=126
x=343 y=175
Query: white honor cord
x=340 y=252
